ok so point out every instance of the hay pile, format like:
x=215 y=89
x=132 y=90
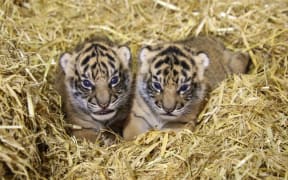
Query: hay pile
x=243 y=128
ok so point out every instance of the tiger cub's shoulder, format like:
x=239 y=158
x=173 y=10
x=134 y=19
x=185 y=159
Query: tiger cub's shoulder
x=95 y=84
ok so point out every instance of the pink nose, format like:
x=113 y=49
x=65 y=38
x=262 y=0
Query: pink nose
x=169 y=110
x=104 y=105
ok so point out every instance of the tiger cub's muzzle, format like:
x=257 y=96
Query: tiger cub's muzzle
x=169 y=102
x=101 y=100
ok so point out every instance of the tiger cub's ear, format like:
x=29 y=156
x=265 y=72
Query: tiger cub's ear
x=203 y=59
x=202 y=62
x=145 y=54
x=124 y=54
x=65 y=62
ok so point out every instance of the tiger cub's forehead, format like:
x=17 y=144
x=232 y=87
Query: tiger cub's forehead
x=95 y=57
x=172 y=62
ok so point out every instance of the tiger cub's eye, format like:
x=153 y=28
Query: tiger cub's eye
x=157 y=86
x=183 y=88
x=114 y=81
x=87 y=84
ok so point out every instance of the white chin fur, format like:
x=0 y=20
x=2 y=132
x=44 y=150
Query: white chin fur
x=104 y=117
x=168 y=118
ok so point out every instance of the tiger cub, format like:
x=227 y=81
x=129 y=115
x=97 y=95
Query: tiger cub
x=95 y=84
x=174 y=79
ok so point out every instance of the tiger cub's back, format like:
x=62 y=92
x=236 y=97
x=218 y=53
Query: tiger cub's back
x=222 y=61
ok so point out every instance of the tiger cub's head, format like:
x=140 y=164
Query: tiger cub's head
x=171 y=79
x=97 y=78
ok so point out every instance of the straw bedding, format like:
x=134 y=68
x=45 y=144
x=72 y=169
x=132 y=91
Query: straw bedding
x=242 y=131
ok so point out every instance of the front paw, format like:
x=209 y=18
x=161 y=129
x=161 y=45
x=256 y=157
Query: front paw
x=108 y=138
x=88 y=134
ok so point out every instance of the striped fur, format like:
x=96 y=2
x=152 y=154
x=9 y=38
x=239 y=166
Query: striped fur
x=95 y=84
x=173 y=82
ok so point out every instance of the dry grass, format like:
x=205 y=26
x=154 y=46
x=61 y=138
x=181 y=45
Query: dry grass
x=243 y=129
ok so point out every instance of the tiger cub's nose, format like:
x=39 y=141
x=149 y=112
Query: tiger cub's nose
x=103 y=101
x=169 y=109
x=104 y=105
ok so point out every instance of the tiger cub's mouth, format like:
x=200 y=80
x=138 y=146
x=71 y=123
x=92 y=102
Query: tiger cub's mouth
x=167 y=114
x=104 y=111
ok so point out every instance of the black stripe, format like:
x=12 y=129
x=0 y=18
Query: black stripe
x=100 y=46
x=172 y=49
x=175 y=73
x=148 y=47
x=188 y=79
x=158 y=72
x=120 y=68
x=194 y=75
x=84 y=76
x=189 y=50
x=116 y=72
x=104 y=66
x=101 y=52
x=85 y=60
x=192 y=61
x=149 y=85
x=76 y=72
x=184 y=73
x=185 y=65
x=168 y=60
x=177 y=79
x=94 y=65
x=93 y=54
x=111 y=64
x=109 y=57
x=154 y=77
x=85 y=68
x=89 y=48
x=158 y=64
x=166 y=71
x=155 y=48
x=176 y=60
x=77 y=58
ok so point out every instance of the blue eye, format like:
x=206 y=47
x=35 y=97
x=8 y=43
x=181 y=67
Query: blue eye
x=87 y=84
x=114 y=80
x=184 y=88
x=157 y=86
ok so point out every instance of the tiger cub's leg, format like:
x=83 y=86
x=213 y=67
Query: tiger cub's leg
x=88 y=134
x=239 y=62
x=100 y=134
x=178 y=126
x=93 y=135
x=136 y=125
x=83 y=129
